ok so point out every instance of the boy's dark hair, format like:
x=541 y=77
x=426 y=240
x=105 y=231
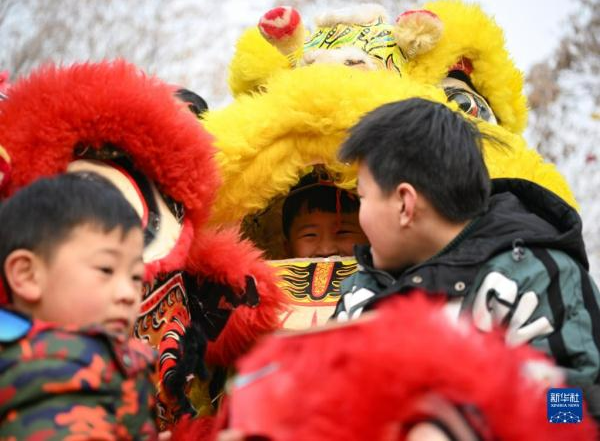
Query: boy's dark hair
x=41 y=216
x=428 y=146
x=195 y=102
x=325 y=198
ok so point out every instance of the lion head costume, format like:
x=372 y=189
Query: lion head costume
x=297 y=92
x=402 y=372
x=111 y=119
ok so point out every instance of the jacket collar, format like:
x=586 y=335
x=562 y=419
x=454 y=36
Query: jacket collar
x=519 y=212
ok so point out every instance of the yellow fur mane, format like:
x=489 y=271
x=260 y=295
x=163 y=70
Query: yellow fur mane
x=469 y=32
x=284 y=120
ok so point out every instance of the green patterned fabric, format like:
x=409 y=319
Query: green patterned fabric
x=376 y=39
x=549 y=308
x=72 y=384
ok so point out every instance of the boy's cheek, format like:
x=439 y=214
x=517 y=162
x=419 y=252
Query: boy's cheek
x=302 y=248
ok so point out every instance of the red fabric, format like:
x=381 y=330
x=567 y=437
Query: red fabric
x=5 y=172
x=4 y=83
x=464 y=65
x=416 y=11
x=192 y=429
x=3 y=295
x=362 y=380
x=226 y=259
x=280 y=30
x=55 y=109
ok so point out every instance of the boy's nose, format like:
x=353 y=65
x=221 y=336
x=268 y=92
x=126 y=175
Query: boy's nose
x=127 y=292
x=327 y=247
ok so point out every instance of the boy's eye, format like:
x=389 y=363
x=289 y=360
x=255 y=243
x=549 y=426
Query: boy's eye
x=347 y=232
x=105 y=270
x=308 y=235
x=137 y=278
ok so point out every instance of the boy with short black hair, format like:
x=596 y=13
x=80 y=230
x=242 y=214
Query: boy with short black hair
x=320 y=219
x=72 y=272
x=512 y=256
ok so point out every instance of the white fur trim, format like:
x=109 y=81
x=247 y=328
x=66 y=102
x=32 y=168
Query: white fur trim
x=356 y=14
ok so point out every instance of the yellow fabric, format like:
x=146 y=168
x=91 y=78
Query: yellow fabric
x=285 y=120
x=469 y=32
x=266 y=142
x=375 y=39
x=516 y=160
x=254 y=61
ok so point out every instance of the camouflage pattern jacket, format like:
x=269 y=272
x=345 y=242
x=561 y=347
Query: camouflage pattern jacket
x=75 y=384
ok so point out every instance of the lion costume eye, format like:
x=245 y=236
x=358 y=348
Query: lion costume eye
x=471 y=103
x=353 y=62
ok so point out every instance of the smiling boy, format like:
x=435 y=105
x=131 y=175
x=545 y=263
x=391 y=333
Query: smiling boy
x=320 y=219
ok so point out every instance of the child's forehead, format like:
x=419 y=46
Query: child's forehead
x=319 y=215
x=90 y=236
x=91 y=228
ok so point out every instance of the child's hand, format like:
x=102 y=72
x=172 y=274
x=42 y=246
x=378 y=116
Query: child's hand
x=164 y=436
x=230 y=435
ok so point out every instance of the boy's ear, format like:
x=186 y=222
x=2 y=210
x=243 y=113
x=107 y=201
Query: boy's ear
x=21 y=272
x=406 y=198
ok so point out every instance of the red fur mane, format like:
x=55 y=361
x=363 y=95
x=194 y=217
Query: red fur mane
x=362 y=380
x=54 y=110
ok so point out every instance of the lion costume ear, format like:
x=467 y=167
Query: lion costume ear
x=417 y=32
x=283 y=28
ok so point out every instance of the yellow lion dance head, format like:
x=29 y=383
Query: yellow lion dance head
x=296 y=94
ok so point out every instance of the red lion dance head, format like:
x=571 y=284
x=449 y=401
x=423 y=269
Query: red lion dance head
x=405 y=372
x=111 y=119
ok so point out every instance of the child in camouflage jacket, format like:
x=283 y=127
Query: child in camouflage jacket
x=71 y=253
